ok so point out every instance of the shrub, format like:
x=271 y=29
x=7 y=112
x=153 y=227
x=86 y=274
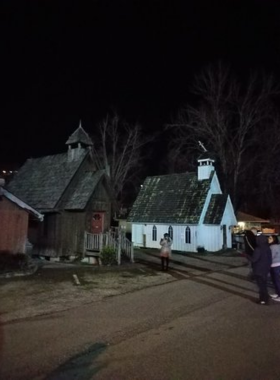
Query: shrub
x=108 y=256
x=200 y=249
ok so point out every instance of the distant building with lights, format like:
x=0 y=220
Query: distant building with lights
x=7 y=171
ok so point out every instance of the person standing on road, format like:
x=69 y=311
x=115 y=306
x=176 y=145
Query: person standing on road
x=165 y=251
x=250 y=244
x=250 y=240
x=261 y=263
x=275 y=266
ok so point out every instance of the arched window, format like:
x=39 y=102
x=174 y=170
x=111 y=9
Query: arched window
x=170 y=232
x=188 y=235
x=154 y=233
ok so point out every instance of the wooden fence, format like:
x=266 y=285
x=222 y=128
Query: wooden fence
x=94 y=243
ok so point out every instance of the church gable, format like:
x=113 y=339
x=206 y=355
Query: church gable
x=215 y=209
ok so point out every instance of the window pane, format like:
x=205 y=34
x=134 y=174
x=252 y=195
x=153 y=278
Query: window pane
x=188 y=235
x=170 y=232
x=154 y=233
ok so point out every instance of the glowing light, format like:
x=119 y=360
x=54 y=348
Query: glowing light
x=241 y=225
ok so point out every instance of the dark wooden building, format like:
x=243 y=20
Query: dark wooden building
x=15 y=217
x=71 y=193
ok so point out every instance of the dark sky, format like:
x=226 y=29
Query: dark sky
x=65 y=61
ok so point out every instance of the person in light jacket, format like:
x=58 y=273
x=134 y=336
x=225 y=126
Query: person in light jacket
x=275 y=266
x=261 y=263
x=165 y=251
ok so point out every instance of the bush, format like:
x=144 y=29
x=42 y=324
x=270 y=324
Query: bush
x=13 y=261
x=108 y=256
x=200 y=249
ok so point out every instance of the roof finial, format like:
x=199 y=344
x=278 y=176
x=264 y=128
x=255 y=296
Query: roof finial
x=202 y=146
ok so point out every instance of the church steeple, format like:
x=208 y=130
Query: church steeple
x=78 y=142
x=79 y=137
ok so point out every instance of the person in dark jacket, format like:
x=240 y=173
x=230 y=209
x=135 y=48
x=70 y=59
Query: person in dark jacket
x=261 y=263
x=250 y=237
x=250 y=241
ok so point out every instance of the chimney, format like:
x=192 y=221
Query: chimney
x=205 y=168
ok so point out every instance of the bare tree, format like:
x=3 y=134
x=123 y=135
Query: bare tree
x=118 y=149
x=229 y=118
x=265 y=175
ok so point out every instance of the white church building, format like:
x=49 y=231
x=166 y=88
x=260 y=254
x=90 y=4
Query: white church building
x=189 y=206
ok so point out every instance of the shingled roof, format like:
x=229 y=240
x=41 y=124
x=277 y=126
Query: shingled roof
x=41 y=182
x=175 y=198
x=216 y=209
x=79 y=136
x=83 y=191
x=243 y=217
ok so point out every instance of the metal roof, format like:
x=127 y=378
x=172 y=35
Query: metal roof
x=21 y=204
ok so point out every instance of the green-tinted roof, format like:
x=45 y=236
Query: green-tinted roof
x=175 y=198
x=215 y=209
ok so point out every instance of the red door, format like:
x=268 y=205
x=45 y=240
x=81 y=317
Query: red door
x=97 y=222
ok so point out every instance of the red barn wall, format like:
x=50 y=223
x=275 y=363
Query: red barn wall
x=13 y=227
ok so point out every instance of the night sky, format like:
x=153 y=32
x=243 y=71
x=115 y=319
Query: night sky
x=65 y=61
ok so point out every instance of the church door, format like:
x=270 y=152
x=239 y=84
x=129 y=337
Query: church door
x=97 y=223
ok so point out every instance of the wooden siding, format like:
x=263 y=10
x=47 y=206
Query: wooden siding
x=47 y=233
x=142 y=236
x=209 y=237
x=70 y=241
x=100 y=201
x=229 y=219
x=13 y=227
x=62 y=234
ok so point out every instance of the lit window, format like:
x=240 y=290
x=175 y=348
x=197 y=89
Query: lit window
x=154 y=233
x=188 y=235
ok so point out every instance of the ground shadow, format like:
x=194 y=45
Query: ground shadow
x=203 y=278
x=191 y=266
x=82 y=366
